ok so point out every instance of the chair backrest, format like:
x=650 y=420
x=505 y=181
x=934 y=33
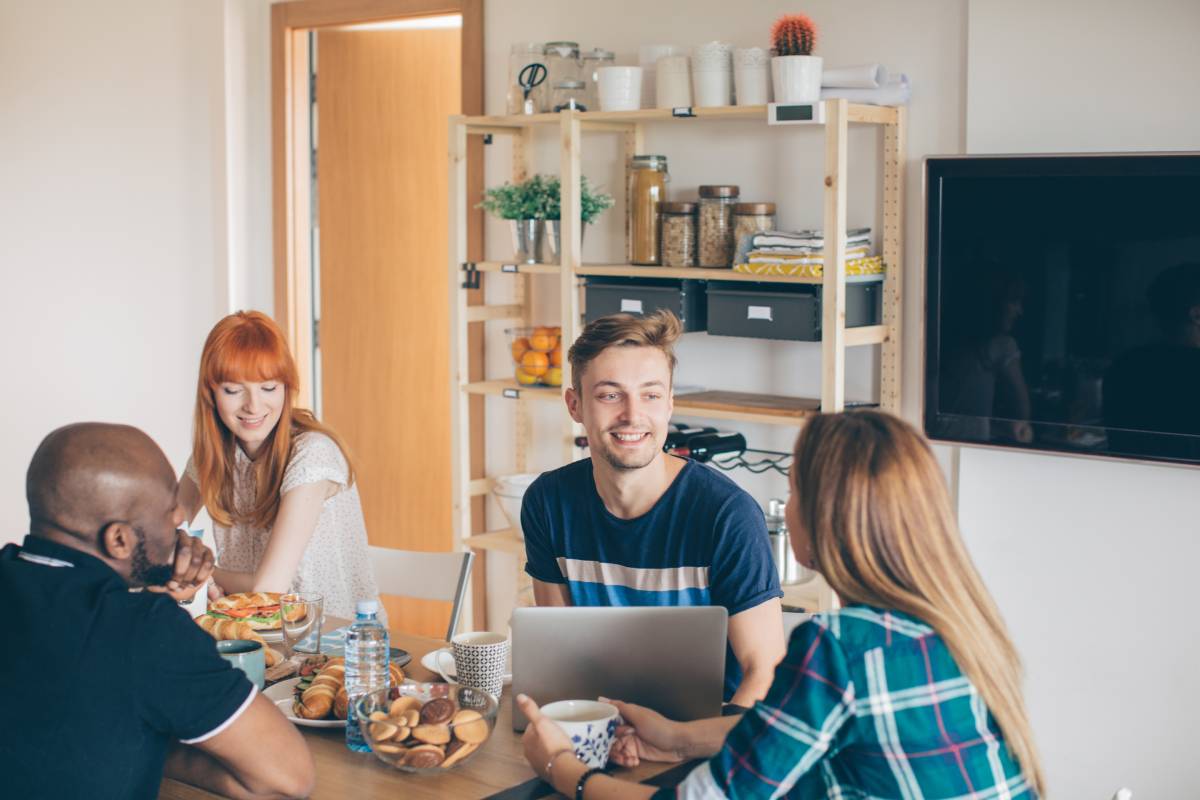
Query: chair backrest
x=427 y=576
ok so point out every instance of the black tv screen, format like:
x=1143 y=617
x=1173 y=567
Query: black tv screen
x=1063 y=303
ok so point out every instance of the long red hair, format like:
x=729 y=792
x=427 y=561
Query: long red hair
x=247 y=346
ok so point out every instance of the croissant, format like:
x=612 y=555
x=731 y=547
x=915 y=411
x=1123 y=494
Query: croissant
x=330 y=694
x=317 y=700
x=223 y=629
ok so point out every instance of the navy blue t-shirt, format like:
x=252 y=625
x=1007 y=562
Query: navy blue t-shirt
x=703 y=543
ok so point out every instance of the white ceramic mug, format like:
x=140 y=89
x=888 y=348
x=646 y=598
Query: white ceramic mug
x=590 y=725
x=620 y=88
x=479 y=661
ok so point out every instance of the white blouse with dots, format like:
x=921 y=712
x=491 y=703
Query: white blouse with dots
x=336 y=563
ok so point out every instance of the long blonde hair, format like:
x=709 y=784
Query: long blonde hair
x=248 y=346
x=872 y=498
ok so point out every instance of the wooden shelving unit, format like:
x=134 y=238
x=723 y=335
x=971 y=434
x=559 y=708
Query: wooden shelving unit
x=630 y=126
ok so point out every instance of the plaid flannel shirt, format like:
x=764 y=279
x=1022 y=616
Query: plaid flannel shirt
x=867 y=704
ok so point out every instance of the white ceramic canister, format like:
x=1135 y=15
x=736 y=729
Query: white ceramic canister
x=712 y=75
x=673 y=84
x=620 y=88
x=648 y=56
x=752 y=76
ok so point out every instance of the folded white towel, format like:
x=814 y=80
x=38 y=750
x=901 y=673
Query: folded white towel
x=896 y=92
x=863 y=76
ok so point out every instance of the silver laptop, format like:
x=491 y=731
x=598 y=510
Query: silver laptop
x=669 y=658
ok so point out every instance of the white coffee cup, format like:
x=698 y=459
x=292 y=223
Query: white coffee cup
x=590 y=725
x=620 y=88
x=478 y=660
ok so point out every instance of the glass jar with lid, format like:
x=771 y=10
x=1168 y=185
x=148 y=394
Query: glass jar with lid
x=592 y=61
x=751 y=218
x=569 y=95
x=678 y=234
x=521 y=55
x=648 y=178
x=562 y=62
x=716 y=225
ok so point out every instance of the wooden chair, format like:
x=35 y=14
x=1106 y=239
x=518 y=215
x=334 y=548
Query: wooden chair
x=426 y=576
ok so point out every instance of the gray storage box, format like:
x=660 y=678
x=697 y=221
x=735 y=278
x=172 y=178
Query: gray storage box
x=683 y=298
x=774 y=311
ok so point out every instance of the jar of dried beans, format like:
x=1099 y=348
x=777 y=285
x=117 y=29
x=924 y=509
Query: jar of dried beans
x=678 y=234
x=751 y=218
x=716 y=225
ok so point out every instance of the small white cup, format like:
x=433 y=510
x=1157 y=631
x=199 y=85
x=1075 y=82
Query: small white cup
x=590 y=725
x=620 y=88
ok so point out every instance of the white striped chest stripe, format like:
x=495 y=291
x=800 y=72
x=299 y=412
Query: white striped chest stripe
x=644 y=579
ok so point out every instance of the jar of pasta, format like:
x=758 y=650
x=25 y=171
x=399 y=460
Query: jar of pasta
x=716 y=225
x=647 y=190
x=678 y=234
x=751 y=218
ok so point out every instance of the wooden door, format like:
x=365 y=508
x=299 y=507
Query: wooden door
x=383 y=98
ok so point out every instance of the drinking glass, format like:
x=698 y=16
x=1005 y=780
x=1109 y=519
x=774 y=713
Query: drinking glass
x=300 y=618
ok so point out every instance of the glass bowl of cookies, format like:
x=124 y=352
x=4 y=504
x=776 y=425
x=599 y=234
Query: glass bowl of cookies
x=426 y=727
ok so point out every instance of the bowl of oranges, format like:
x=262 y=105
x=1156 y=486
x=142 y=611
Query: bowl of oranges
x=537 y=355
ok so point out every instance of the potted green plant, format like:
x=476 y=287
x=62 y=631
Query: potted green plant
x=524 y=206
x=592 y=203
x=795 y=71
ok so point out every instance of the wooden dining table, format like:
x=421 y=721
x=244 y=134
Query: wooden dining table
x=342 y=773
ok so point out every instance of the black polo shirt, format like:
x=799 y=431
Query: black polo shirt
x=98 y=680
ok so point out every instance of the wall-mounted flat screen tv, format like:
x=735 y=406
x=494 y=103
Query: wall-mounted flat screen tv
x=1063 y=303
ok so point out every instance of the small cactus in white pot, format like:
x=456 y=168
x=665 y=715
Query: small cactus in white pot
x=795 y=71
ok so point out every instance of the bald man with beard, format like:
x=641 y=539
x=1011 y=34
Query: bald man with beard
x=106 y=688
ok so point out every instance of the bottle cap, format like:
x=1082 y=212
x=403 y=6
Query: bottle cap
x=365 y=607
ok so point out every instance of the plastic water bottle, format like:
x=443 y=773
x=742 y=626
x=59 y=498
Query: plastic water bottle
x=366 y=665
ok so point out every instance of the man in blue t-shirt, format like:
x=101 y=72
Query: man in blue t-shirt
x=633 y=526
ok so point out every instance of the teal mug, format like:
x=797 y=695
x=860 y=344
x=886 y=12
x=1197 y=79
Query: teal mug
x=247 y=656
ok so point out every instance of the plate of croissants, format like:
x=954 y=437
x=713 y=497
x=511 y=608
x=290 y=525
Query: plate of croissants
x=317 y=698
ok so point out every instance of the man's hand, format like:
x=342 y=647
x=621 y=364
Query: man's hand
x=193 y=566
x=645 y=736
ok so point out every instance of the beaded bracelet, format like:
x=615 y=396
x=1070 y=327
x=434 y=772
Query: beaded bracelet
x=583 y=779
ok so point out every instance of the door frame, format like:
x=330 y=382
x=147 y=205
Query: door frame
x=291 y=184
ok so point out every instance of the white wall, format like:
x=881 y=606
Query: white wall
x=112 y=220
x=784 y=165
x=1090 y=560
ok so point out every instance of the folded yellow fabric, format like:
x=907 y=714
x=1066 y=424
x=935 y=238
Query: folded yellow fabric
x=872 y=265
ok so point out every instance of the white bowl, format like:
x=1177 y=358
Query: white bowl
x=509 y=491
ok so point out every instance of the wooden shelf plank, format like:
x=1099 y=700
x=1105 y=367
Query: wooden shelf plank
x=495 y=313
x=866 y=334
x=517 y=269
x=504 y=540
x=858 y=113
x=503 y=388
x=695 y=273
x=747 y=407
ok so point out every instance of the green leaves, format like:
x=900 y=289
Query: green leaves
x=540 y=197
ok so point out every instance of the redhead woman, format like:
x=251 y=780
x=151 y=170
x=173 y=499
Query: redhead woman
x=278 y=484
x=912 y=689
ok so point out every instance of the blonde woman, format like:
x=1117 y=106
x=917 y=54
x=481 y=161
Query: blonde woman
x=912 y=689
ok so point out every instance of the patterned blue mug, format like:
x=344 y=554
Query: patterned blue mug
x=590 y=726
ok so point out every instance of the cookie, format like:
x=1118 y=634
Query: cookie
x=432 y=734
x=425 y=756
x=437 y=711
x=402 y=704
x=457 y=751
x=412 y=718
x=470 y=727
x=382 y=731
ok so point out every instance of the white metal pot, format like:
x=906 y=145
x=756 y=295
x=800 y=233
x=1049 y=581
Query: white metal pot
x=554 y=238
x=797 y=79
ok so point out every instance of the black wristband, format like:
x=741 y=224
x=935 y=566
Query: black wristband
x=583 y=779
